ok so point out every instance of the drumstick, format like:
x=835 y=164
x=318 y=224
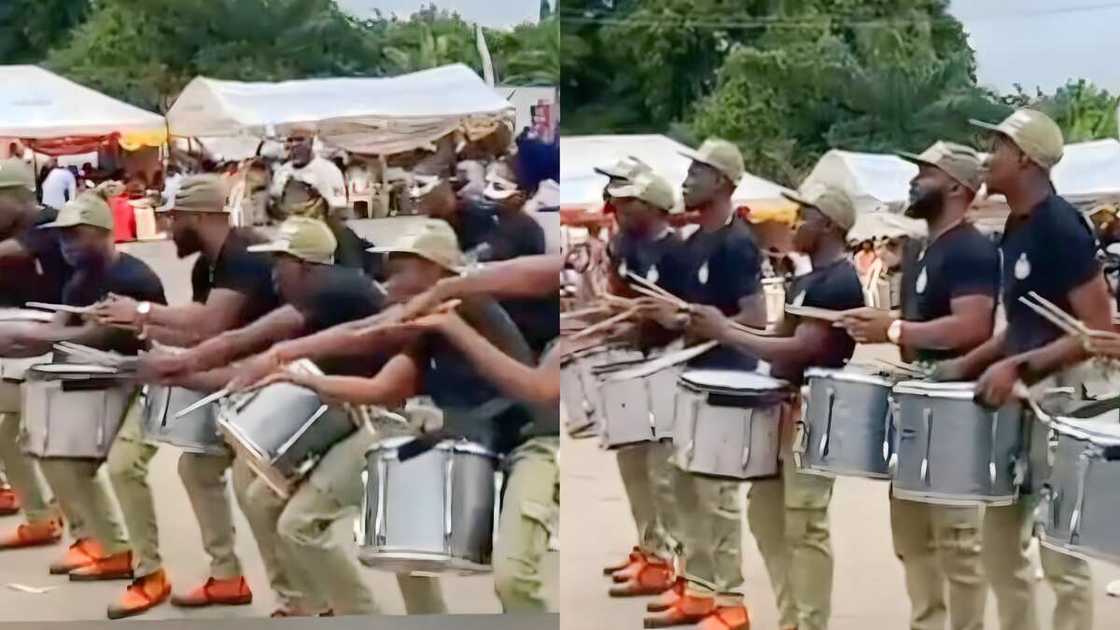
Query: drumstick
x=595 y=310
x=660 y=297
x=663 y=361
x=813 y=312
x=1020 y=391
x=1057 y=311
x=1061 y=323
x=652 y=286
x=603 y=325
x=65 y=308
x=206 y=400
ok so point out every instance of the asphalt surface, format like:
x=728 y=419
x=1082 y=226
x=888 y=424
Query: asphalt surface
x=868 y=592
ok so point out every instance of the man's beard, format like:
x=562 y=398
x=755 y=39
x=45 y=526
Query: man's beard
x=187 y=243
x=928 y=204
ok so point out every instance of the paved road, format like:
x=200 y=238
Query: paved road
x=868 y=592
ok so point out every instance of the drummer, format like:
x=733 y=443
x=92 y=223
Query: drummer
x=527 y=434
x=31 y=269
x=723 y=268
x=231 y=288
x=317 y=294
x=86 y=228
x=948 y=303
x=1048 y=248
x=789 y=515
x=646 y=245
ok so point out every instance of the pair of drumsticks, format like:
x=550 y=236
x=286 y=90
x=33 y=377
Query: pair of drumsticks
x=1065 y=322
x=652 y=290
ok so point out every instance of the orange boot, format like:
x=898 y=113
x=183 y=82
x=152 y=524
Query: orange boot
x=32 y=535
x=687 y=611
x=83 y=553
x=654 y=578
x=9 y=502
x=115 y=567
x=668 y=598
x=727 y=618
x=215 y=592
x=142 y=595
x=635 y=555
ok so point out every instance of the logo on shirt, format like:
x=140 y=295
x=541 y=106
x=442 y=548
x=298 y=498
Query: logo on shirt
x=800 y=299
x=702 y=274
x=920 y=285
x=1022 y=267
x=652 y=275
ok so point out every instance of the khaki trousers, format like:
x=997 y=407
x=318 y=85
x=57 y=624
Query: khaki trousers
x=939 y=546
x=529 y=519
x=711 y=531
x=662 y=474
x=638 y=479
x=22 y=471
x=789 y=519
x=204 y=477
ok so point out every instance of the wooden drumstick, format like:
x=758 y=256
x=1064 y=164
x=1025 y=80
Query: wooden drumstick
x=605 y=324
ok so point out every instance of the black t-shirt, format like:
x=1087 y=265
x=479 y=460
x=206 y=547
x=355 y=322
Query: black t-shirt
x=353 y=251
x=959 y=263
x=40 y=277
x=1052 y=251
x=659 y=260
x=343 y=295
x=128 y=276
x=834 y=287
x=237 y=269
x=720 y=268
x=473 y=226
x=474 y=407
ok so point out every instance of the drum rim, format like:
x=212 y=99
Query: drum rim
x=583 y=353
x=1075 y=428
x=850 y=376
x=778 y=384
x=616 y=366
x=950 y=390
x=455 y=445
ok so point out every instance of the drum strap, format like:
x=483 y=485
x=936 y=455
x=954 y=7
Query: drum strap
x=89 y=384
x=427 y=441
x=1097 y=408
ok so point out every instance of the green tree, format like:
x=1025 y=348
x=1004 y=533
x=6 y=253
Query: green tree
x=28 y=28
x=1083 y=111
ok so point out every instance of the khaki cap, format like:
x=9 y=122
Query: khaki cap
x=201 y=193
x=309 y=240
x=626 y=168
x=15 y=173
x=88 y=208
x=956 y=160
x=1035 y=133
x=720 y=155
x=833 y=203
x=432 y=239
x=648 y=187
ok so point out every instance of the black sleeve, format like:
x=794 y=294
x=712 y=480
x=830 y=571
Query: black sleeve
x=1071 y=258
x=244 y=272
x=972 y=268
x=140 y=283
x=744 y=270
x=340 y=302
x=838 y=290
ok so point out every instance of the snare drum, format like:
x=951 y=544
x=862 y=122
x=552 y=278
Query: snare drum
x=845 y=426
x=952 y=451
x=283 y=430
x=727 y=423
x=73 y=410
x=578 y=388
x=435 y=513
x=197 y=432
x=1080 y=507
x=636 y=407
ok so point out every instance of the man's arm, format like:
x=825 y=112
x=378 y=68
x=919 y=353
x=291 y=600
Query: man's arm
x=526 y=277
x=396 y=382
x=12 y=248
x=1091 y=304
x=184 y=325
x=752 y=310
x=282 y=323
x=32 y=340
x=809 y=338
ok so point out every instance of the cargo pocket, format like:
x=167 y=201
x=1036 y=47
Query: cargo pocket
x=546 y=516
x=807 y=492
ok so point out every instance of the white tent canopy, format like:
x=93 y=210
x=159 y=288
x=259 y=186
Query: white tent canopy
x=38 y=104
x=364 y=115
x=872 y=180
x=1088 y=170
x=581 y=186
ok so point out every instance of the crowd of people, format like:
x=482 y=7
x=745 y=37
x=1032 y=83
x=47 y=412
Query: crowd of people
x=443 y=314
x=688 y=555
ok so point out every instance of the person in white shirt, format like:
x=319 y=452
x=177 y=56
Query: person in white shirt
x=302 y=159
x=59 y=187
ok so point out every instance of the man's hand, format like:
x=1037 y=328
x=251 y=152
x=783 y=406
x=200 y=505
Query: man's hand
x=947 y=371
x=707 y=322
x=423 y=303
x=160 y=366
x=664 y=313
x=867 y=325
x=996 y=385
x=116 y=310
x=1104 y=345
x=254 y=370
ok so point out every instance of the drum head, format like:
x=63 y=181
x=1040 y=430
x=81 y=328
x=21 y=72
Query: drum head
x=73 y=368
x=454 y=445
x=956 y=389
x=850 y=376
x=731 y=381
x=1102 y=432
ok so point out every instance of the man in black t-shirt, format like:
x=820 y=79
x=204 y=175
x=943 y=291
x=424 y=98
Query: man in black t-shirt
x=86 y=228
x=949 y=289
x=1048 y=248
x=723 y=269
x=435 y=197
x=231 y=287
x=31 y=269
x=789 y=515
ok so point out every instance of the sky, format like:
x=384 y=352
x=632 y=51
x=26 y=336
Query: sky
x=491 y=13
x=1043 y=42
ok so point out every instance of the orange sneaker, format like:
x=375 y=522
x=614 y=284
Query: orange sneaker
x=83 y=553
x=635 y=555
x=32 y=535
x=653 y=579
x=630 y=571
x=668 y=598
x=215 y=592
x=687 y=611
x=9 y=502
x=115 y=567
x=142 y=595
x=727 y=618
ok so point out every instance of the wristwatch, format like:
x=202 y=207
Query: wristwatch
x=894 y=332
x=143 y=310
